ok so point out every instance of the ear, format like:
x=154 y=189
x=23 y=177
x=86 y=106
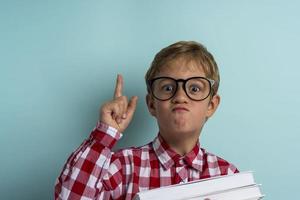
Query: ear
x=150 y=105
x=213 y=105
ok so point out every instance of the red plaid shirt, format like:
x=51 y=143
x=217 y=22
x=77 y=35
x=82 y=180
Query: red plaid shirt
x=93 y=171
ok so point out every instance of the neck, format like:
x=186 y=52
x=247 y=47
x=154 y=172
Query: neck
x=181 y=145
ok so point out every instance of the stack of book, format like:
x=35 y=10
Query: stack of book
x=239 y=186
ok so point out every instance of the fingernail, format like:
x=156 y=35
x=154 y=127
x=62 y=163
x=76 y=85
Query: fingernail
x=119 y=120
x=124 y=116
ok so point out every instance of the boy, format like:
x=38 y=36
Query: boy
x=182 y=85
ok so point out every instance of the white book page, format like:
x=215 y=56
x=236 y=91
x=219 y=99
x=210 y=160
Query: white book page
x=199 y=187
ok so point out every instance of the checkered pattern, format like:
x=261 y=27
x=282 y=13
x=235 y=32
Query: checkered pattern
x=93 y=171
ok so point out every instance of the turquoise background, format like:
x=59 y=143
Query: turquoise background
x=59 y=60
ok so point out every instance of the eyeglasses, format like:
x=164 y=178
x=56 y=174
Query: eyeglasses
x=196 y=88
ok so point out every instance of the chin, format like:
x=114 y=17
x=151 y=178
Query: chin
x=182 y=130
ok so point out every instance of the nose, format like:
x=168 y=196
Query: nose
x=180 y=95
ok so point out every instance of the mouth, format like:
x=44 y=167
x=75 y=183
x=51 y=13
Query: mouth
x=180 y=109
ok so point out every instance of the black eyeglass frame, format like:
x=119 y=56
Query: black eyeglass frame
x=210 y=81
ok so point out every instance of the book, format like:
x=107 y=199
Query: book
x=217 y=187
x=251 y=192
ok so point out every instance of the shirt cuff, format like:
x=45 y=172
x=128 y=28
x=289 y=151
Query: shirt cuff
x=105 y=134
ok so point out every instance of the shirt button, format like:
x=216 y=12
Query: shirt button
x=181 y=162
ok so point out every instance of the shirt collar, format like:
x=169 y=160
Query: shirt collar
x=167 y=157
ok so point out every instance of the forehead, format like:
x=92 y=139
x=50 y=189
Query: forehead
x=181 y=68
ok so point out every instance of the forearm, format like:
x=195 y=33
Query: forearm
x=85 y=168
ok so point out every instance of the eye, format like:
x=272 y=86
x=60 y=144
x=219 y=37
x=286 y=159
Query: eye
x=167 y=88
x=194 y=89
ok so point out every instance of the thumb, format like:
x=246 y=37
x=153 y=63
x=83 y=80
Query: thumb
x=131 y=106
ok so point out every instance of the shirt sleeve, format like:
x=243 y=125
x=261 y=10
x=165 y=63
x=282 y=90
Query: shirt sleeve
x=82 y=175
x=232 y=169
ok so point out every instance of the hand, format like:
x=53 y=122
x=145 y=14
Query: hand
x=118 y=112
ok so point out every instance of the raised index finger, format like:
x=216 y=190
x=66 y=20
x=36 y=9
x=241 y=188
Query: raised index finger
x=119 y=86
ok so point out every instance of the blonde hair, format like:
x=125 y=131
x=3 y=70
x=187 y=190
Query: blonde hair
x=189 y=51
